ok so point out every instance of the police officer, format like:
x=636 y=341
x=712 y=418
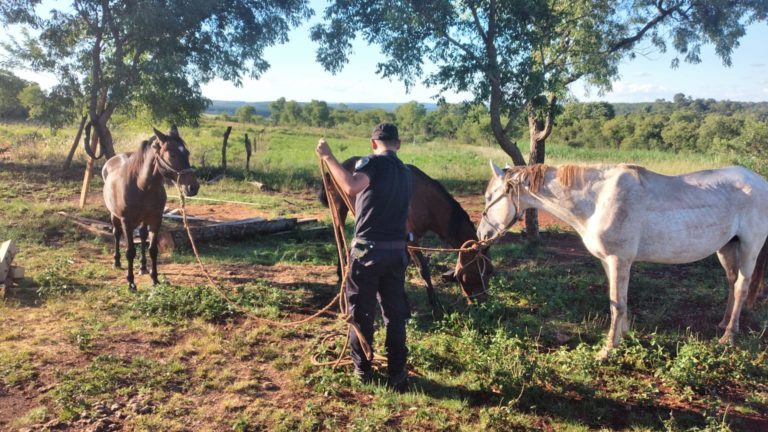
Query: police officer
x=382 y=184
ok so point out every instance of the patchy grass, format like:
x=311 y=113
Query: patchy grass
x=524 y=360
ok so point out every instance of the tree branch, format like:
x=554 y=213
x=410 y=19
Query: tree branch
x=629 y=41
x=478 y=25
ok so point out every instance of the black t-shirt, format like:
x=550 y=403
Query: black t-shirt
x=381 y=209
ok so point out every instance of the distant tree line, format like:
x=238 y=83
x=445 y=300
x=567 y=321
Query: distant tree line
x=464 y=122
x=683 y=124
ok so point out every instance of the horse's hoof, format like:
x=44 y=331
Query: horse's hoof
x=723 y=324
x=604 y=354
x=131 y=287
x=155 y=282
x=117 y=265
x=143 y=271
x=727 y=339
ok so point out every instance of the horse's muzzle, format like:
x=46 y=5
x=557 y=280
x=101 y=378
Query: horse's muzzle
x=190 y=189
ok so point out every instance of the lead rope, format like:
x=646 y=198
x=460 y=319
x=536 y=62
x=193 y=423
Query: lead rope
x=343 y=305
x=480 y=259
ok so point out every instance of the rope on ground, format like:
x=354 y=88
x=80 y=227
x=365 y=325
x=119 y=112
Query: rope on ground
x=341 y=246
x=340 y=297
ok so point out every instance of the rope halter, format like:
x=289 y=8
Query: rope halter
x=511 y=186
x=167 y=168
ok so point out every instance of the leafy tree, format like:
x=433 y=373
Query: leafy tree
x=245 y=113
x=718 y=132
x=445 y=121
x=372 y=117
x=111 y=54
x=10 y=87
x=754 y=141
x=293 y=114
x=520 y=56
x=647 y=133
x=410 y=119
x=342 y=115
x=276 y=109
x=318 y=114
x=682 y=131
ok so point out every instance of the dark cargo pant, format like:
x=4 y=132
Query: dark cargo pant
x=379 y=274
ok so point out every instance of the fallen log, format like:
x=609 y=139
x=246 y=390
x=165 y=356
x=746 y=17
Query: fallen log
x=177 y=238
x=170 y=239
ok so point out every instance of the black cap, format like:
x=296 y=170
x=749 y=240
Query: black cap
x=385 y=132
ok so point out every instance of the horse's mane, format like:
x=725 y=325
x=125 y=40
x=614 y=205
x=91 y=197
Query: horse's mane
x=533 y=173
x=459 y=216
x=569 y=174
x=136 y=160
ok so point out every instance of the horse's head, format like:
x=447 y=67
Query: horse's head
x=501 y=209
x=172 y=159
x=473 y=273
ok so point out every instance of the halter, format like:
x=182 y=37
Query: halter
x=167 y=167
x=509 y=187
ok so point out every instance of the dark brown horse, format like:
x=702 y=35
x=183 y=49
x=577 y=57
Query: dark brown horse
x=134 y=193
x=433 y=209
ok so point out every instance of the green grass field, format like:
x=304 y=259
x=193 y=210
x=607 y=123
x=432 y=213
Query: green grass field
x=79 y=351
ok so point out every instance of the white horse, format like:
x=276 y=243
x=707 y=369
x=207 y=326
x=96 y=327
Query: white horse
x=626 y=213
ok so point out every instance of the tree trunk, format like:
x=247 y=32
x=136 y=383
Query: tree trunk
x=538 y=129
x=104 y=134
x=532 y=215
x=499 y=131
x=224 y=150
x=88 y=171
x=75 y=143
x=248 y=151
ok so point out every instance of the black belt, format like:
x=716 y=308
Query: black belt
x=379 y=244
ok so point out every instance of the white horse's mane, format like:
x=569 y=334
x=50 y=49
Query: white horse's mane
x=568 y=174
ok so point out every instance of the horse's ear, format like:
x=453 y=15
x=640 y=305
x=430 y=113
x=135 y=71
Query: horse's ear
x=174 y=132
x=161 y=136
x=498 y=172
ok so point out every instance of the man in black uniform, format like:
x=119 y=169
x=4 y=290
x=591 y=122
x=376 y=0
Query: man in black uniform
x=382 y=186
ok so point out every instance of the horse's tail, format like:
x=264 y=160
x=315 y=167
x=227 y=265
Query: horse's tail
x=757 y=285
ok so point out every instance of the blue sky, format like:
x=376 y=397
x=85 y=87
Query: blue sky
x=294 y=74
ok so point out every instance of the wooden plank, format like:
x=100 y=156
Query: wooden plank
x=190 y=218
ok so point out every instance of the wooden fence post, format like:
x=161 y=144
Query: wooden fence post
x=248 y=151
x=89 y=171
x=224 y=150
x=71 y=154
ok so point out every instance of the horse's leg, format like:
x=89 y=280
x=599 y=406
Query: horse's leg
x=729 y=259
x=153 y=252
x=757 y=286
x=617 y=271
x=130 y=253
x=747 y=257
x=625 y=323
x=143 y=236
x=423 y=264
x=117 y=229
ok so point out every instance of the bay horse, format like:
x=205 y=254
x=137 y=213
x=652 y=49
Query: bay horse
x=134 y=193
x=626 y=213
x=432 y=208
